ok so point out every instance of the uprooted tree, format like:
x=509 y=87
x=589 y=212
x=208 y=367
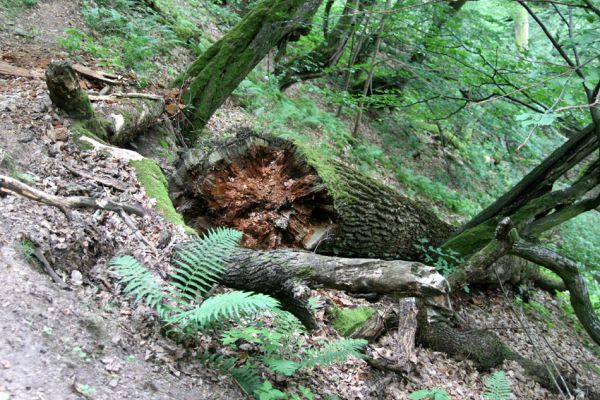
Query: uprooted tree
x=281 y=195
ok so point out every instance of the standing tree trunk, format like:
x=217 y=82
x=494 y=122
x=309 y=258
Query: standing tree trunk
x=326 y=54
x=221 y=68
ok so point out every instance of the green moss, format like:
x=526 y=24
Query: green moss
x=154 y=182
x=348 y=320
x=471 y=240
x=304 y=272
x=82 y=128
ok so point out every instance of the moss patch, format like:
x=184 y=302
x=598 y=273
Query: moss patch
x=348 y=320
x=154 y=182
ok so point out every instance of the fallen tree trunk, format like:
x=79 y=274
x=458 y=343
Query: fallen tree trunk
x=279 y=197
x=117 y=122
x=288 y=275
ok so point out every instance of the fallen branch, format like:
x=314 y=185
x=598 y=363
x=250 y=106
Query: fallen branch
x=65 y=203
x=108 y=182
x=288 y=275
x=37 y=252
x=98 y=75
x=115 y=96
x=7 y=69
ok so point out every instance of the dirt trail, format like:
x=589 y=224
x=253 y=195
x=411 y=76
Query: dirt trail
x=58 y=344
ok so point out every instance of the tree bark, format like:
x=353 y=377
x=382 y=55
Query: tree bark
x=280 y=195
x=220 y=69
x=288 y=275
x=326 y=54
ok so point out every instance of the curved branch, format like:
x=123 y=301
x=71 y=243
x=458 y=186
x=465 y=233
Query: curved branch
x=569 y=273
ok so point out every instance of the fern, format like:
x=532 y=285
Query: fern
x=497 y=387
x=139 y=281
x=198 y=264
x=334 y=352
x=218 y=309
x=246 y=375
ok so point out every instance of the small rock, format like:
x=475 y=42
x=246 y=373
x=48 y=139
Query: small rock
x=21 y=32
x=113 y=383
x=76 y=278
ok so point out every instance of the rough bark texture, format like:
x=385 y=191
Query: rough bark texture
x=220 y=69
x=288 y=275
x=326 y=54
x=270 y=190
x=485 y=348
x=65 y=92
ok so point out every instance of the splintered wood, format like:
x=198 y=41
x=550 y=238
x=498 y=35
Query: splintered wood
x=262 y=195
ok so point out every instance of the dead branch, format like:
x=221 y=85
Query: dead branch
x=65 y=203
x=7 y=69
x=98 y=75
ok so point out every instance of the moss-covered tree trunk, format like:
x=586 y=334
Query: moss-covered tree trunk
x=282 y=195
x=221 y=68
x=326 y=54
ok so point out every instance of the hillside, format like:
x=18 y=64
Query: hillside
x=332 y=173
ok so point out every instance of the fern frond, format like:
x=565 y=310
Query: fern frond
x=224 y=307
x=335 y=352
x=139 y=282
x=281 y=366
x=497 y=387
x=198 y=264
x=246 y=375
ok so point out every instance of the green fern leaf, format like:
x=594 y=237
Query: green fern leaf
x=221 y=308
x=281 y=366
x=497 y=387
x=335 y=352
x=139 y=281
x=200 y=263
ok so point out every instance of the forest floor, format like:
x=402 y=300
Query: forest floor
x=91 y=342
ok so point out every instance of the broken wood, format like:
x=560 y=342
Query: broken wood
x=39 y=254
x=267 y=188
x=116 y=96
x=98 y=75
x=118 y=123
x=7 y=69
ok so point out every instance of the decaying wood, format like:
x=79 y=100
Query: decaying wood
x=98 y=75
x=130 y=116
x=65 y=203
x=7 y=69
x=267 y=188
x=117 y=123
x=116 y=96
x=122 y=154
x=288 y=275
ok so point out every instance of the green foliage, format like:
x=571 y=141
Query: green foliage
x=185 y=307
x=429 y=394
x=497 y=387
x=444 y=261
x=129 y=35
